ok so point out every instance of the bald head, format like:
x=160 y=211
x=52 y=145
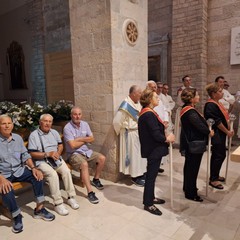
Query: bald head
x=135 y=93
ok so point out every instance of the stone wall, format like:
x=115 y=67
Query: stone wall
x=105 y=66
x=90 y=27
x=189 y=44
x=49 y=23
x=159 y=37
x=223 y=16
x=56 y=25
x=129 y=61
x=36 y=24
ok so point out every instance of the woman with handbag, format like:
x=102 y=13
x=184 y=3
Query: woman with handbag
x=215 y=110
x=193 y=142
x=154 y=145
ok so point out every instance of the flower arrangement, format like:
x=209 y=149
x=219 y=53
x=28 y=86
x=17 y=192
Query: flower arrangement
x=60 y=110
x=25 y=115
x=5 y=107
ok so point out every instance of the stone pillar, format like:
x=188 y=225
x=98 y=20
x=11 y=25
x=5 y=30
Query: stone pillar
x=189 y=44
x=35 y=21
x=106 y=64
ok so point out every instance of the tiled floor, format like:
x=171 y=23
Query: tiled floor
x=120 y=214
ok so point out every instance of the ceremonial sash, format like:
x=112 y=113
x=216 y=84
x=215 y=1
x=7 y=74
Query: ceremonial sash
x=147 y=109
x=222 y=109
x=185 y=109
x=132 y=112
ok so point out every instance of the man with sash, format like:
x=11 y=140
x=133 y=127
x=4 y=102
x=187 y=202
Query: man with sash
x=125 y=124
x=215 y=110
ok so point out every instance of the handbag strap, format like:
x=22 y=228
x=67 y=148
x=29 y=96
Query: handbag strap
x=41 y=141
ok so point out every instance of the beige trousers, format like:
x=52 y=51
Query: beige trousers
x=51 y=175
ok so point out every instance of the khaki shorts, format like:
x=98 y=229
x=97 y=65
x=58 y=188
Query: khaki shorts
x=77 y=159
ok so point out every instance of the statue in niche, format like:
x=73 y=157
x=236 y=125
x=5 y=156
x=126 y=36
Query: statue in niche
x=15 y=60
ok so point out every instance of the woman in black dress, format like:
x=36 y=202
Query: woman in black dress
x=154 y=145
x=194 y=127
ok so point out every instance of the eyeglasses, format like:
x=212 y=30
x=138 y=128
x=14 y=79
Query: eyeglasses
x=165 y=88
x=159 y=87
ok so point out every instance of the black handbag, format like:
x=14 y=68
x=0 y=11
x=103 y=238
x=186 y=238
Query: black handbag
x=51 y=162
x=197 y=146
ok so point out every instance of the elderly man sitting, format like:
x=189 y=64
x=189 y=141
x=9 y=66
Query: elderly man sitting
x=45 y=145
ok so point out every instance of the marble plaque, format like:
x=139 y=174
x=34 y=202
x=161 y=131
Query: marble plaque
x=235 y=46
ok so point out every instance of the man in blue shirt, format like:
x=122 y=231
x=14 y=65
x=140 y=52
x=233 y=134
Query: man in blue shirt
x=16 y=165
x=77 y=136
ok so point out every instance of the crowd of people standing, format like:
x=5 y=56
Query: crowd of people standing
x=154 y=128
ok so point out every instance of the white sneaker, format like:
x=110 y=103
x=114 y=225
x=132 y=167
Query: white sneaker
x=61 y=210
x=73 y=203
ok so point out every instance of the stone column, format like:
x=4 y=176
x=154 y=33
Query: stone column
x=189 y=44
x=106 y=63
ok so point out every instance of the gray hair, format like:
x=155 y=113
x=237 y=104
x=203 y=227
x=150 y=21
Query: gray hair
x=149 y=82
x=4 y=116
x=45 y=115
x=75 y=107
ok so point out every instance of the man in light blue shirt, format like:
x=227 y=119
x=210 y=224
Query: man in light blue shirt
x=77 y=136
x=44 y=144
x=16 y=165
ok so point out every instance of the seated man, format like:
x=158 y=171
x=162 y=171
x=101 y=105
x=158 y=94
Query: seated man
x=77 y=134
x=45 y=143
x=16 y=165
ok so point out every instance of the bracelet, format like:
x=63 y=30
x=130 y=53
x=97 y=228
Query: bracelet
x=33 y=168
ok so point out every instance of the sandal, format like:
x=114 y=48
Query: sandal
x=158 y=201
x=217 y=185
x=196 y=198
x=153 y=210
x=221 y=179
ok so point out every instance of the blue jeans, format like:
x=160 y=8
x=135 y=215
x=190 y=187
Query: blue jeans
x=9 y=198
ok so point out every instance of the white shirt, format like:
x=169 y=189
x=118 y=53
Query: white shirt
x=228 y=99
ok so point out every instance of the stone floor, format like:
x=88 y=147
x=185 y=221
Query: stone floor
x=120 y=214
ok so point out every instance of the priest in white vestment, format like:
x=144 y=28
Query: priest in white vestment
x=126 y=126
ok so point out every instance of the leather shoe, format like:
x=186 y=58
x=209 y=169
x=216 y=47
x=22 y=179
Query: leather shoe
x=153 y=210
x=160 y=170
x=140 y=182
x=158 y=201
x=196 y=198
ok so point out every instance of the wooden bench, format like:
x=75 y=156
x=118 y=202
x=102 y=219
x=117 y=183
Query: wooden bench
x=16 y=186
x=23 y=185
